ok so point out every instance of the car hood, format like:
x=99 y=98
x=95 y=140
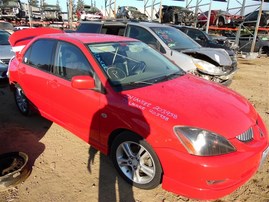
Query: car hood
x=6 y=52
x=191 y=101
x=216 y=55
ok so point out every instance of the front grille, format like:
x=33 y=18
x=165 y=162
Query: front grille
x=246 y=136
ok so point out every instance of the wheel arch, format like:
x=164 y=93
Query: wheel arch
x=116 y=133
x=222 y=19
x=13 y=86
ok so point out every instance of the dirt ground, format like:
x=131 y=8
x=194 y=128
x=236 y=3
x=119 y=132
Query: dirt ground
x=64 y=168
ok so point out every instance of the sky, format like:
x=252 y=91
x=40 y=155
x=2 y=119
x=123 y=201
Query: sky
x=140 y=4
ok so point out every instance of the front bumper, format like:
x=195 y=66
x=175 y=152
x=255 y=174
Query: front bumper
x=213 y=177
x=207 y=178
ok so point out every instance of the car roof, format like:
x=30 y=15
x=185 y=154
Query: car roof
x=107 y=22
x=87 y=37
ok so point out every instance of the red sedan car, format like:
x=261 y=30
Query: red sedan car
x=219 y=18
x=157 y=123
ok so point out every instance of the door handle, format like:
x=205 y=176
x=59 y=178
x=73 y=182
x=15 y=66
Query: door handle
x=53 y=83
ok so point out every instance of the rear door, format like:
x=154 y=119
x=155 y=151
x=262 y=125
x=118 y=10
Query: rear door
x=35 y=72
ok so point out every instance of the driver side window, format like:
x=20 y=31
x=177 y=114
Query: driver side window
x=70 y=61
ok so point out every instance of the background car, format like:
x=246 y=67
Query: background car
x=245 y=43
x=205 y=40
x=130 y=12
x=261 y=44
x=219 y=18
x=176 y=15
x=90 y=13
x=51 y=13
x=7 y=26
x=251 y=18
x=11 y=10
x=6 y=53
x=104 y=27
x=208 y=63
x=112 y=101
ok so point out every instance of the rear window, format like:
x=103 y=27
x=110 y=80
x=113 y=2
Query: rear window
x=89 y=28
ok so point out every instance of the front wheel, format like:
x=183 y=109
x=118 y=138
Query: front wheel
x=21 y=101
x=136 y=161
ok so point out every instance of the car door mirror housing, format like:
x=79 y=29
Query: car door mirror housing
x=83 y=82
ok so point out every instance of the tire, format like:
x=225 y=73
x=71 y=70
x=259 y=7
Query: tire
x=21 y=101
x=263 y=51
x=220 y=22
x=136 y=161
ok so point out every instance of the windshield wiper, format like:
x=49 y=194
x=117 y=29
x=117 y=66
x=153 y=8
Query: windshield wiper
x=169 y=76
x=137 y=83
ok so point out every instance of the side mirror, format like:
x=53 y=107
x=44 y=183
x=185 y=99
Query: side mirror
x=83 y=82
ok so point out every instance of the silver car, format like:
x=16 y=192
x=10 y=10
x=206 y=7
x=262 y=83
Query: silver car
x=5 y=53
x=212 y=64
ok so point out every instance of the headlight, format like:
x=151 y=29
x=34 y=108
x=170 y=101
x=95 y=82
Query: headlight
x=201 y=142
x=207 y=67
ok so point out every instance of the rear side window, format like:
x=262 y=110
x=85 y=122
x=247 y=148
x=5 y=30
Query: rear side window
x=40 y=54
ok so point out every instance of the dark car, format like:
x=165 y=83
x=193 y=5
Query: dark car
x=261 y=44
x=205 y=40
x=251 y=18
x=245 y=43
x=176 y=15
x=104 y=27
x=219 y=18
x=130 y=12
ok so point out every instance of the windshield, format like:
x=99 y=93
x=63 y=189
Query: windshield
x=133 y=64
x=174 y=38
x=4 y=38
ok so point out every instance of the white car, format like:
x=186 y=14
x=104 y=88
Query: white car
x=90 y=16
